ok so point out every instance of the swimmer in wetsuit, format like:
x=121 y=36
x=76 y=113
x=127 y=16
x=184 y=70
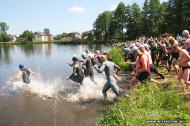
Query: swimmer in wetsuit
x=108 y=68
x=77 y=75
x=24 y=73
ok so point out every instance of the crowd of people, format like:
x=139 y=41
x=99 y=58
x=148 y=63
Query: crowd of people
x=168 y=51
x=145 y=55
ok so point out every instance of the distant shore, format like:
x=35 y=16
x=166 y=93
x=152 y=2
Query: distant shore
x=47 y=42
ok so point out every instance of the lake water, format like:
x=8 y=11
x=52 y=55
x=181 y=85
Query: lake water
x=49 y=100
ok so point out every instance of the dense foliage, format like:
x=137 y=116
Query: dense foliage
x=117 y=57
x=27 y=36
x=153 y=19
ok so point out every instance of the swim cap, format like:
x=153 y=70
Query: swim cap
x=132 y=45
x=84 y=54
x=146 y=46
x=141 y=46
x=134 y=49
x=126 y=49
x=75 y=58
x=98 y=51
x=185 y=33
x=21 y=66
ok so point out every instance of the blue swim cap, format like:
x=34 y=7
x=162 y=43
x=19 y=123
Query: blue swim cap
x=21 y=66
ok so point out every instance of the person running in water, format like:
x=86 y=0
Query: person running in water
x=24 y=73
x=108 y=68
x=87 y=64
x=77 y=75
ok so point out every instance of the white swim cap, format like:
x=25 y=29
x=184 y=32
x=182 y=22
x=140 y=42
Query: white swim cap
x=185 y=32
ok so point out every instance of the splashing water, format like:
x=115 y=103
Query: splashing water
x=90 y=90
x=39 y=87
x=68 y=90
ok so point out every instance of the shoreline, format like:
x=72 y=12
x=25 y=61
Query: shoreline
x=50 y=42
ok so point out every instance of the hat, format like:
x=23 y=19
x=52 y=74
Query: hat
x=185 y=32
x=134 y=49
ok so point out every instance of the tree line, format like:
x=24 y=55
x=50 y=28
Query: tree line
x=26 y=36
x=130 y=21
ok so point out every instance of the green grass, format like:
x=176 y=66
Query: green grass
x=147 y=102
x=117 y=57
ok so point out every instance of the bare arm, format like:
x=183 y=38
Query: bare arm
x=33 y=73
x=116 y=66
x=101 y=68
x=16 y=77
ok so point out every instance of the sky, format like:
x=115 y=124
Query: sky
x=57 y=15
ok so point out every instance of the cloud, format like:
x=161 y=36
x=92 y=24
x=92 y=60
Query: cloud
x=77 y=9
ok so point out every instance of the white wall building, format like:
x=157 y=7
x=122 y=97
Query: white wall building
x=41 y=37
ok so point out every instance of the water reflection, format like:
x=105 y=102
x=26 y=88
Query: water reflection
x=5 y=54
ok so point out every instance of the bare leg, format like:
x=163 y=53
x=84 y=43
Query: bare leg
x=186 y=78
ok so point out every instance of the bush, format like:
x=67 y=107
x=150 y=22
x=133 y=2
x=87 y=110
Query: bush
x=147 y=102
x=117 y=57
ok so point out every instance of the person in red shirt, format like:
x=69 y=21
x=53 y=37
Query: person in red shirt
x=142 y=71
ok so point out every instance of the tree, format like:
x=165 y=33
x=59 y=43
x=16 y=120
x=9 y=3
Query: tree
x=47 y=31
x=120 y=19
x=145 y=18
x=102 y=25
x=27 y=35
x=153 y=17
x=61 y=36
x=134 y=25
x=178 y=15
x=3 y=28
x=4 y=37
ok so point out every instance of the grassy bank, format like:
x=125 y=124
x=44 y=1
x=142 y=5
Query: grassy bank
x=148 y=102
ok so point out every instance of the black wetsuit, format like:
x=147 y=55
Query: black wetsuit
x=88 y=68
x=77 y=74
x=174 y=55
x=26 y=75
